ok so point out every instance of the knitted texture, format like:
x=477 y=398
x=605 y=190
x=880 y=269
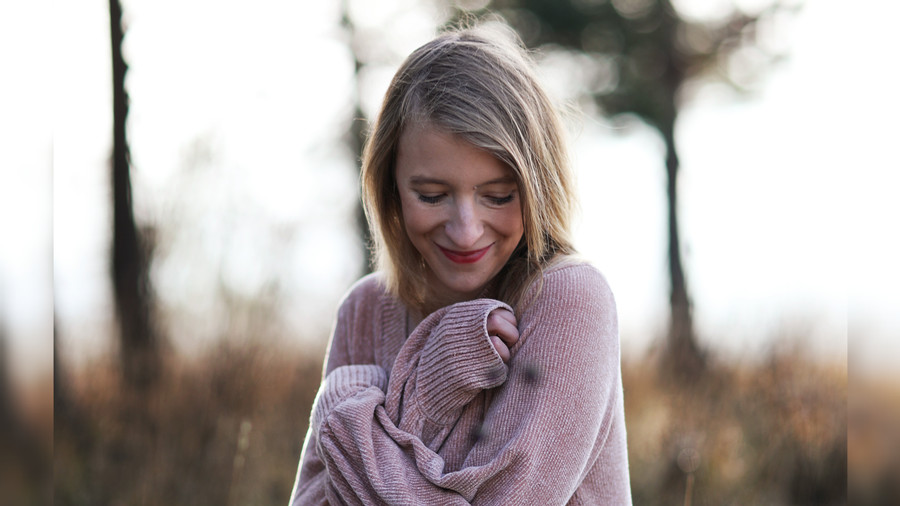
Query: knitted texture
x=436 y=417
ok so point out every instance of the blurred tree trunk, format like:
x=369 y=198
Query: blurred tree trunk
x=683 y=358
x=138 y=341
x=356 y=138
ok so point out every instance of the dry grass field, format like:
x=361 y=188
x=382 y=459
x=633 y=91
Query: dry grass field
x=226 y=428
x=773 y=434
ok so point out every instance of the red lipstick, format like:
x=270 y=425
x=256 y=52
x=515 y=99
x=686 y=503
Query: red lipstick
x=465 y=257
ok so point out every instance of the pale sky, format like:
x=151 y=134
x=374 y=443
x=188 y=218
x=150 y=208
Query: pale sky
x=787 y=195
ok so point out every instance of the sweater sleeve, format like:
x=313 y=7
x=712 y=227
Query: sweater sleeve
x=341 y=379
x=450 y=346
x=553 y=432
x=444 y=364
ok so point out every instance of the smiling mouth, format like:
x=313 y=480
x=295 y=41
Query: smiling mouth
x=465 y=257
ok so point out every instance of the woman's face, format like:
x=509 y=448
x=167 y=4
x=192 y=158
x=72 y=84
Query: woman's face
x=461 y=209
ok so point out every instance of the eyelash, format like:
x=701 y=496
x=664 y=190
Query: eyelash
x=497 y=201
x=429 y=199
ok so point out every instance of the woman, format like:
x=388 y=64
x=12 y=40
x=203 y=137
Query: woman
x=480 y=363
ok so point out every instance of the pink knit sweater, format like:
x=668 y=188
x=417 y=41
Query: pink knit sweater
x=436 y=417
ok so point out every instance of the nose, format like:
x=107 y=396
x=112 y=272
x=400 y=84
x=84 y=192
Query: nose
x=464 y=228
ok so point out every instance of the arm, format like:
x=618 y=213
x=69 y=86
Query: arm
x=312 y=486
x=558 y=415
x=361 y=426
x=346 y=381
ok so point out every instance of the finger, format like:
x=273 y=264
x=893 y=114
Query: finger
x=498 y=326
x=504 y=329
x=509 y=333
x=500 y=315
x=501 y=348
x=506 y=314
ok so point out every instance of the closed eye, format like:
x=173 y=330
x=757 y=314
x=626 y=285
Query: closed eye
x=430 y=199
x=499 y=201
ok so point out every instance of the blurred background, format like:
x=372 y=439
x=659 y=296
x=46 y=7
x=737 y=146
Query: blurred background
x=179 y=218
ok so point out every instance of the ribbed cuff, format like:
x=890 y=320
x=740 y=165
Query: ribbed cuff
x=458 y=361
x=342 y=383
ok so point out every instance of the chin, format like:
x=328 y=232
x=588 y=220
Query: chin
x=461 y=291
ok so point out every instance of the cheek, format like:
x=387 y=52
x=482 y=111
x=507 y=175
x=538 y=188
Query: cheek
x=416 y=220
x=511 y=224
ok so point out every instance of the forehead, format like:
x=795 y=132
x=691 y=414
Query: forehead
x=428 y=154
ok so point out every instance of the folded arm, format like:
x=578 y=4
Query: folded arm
x=533 y=440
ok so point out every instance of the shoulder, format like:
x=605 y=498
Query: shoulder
x=368 y=286
x=575 y=281
x=364 y=294
x=571 y=307
x=571 y=293
x=357 y=328
x=570 y=317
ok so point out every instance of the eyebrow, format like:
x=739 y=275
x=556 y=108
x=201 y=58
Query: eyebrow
x=423 y=180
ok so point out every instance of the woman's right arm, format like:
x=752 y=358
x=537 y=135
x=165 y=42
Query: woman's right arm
x=312 y=485
x=443 y=342
x=378 y=440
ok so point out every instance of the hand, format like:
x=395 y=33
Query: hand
x=502 y=331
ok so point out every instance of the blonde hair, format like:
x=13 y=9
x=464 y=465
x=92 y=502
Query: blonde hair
x=479 y=84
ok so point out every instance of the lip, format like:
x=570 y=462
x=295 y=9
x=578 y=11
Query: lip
x=464 y=257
